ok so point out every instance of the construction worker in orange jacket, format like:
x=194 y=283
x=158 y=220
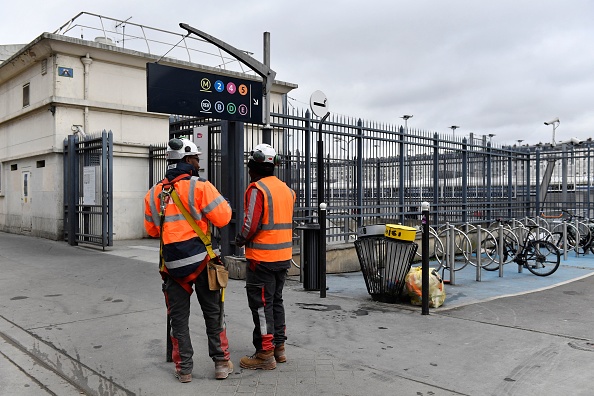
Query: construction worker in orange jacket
x=267 y=234
x=184 y=255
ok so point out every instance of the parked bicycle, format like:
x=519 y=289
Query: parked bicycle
x=539 y=256
x=579 y=232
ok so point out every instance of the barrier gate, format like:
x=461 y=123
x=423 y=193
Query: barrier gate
x=88 y=189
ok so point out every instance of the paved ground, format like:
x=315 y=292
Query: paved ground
x=79 y=320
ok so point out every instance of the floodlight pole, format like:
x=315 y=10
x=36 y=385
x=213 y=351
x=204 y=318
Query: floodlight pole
x=262 y=69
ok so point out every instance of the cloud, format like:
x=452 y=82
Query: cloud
x=491 y=67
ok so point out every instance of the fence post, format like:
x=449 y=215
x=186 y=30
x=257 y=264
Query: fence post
x=307 y=142
x=464 y=180
x=436 y=178
x=401 y=179
x=359 y=173
x=537 y=196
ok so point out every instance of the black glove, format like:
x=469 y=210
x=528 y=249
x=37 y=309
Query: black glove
x=240 y=240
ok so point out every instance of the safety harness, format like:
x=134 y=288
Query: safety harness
x=168 y=191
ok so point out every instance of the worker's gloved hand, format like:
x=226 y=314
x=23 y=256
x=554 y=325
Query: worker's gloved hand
x=240 y=240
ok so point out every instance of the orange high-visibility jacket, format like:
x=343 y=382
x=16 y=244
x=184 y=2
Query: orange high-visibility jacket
x=183 y=250
x=274 y=241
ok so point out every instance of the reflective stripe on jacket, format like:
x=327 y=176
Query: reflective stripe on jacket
x=274 y=239
x=183 y=250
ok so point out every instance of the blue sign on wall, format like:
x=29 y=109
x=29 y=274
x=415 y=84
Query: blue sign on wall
x=173 y=90
x=65 y=72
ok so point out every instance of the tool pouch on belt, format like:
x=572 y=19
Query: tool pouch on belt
x=218 y=276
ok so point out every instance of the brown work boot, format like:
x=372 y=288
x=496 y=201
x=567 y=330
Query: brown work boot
x=183 y=378
x=223 y=368
x=260 y=360
x=279 y=353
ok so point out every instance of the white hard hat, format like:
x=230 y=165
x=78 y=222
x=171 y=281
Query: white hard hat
x=179 y=148
x=264 y=153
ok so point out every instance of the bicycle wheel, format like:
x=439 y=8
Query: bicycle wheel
x=511 y=244
x=572 y=232
x=542 y=257
x=438 y=251
x=487 y=249
x=462 y=248
x=556 y=238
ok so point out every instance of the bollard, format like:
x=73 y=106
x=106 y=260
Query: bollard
x=500 y=248
x=452 y=253
x=322 y=251
x=564 y=240
x=478 y=253
x=577 y=239
x=523 y=234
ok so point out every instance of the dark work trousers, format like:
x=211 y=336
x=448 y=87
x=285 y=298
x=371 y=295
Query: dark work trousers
x=178 y=305
x=265 y=298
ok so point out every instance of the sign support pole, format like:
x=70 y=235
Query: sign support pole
x=322 y=211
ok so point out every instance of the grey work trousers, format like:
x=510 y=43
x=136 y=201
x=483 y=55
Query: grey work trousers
x=178 y=306
x=265 y=298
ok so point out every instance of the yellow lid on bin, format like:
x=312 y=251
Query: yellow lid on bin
x=400 y=232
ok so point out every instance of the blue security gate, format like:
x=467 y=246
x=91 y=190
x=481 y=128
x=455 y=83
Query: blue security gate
x=88 y=189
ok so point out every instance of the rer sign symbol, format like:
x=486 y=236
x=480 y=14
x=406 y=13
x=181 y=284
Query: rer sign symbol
x=205 y=105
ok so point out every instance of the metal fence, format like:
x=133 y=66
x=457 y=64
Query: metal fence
x=376 y=173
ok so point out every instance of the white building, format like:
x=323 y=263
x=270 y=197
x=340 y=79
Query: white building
x=57 y=82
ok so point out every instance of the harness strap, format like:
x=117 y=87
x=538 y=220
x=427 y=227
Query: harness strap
x=169 y=191
x=205 y=239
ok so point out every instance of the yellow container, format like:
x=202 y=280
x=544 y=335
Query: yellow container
x=400 y=232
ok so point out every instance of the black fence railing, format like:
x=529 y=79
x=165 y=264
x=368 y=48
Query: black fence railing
x=380 y=174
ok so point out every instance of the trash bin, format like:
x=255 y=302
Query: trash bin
x=384 y=263
x=310 y=234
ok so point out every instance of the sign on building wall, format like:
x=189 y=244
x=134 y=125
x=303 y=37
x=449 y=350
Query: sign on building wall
x=201 y=141
x=89 y=190
x=172 y=90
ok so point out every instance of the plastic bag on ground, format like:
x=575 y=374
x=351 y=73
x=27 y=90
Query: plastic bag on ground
x=414 y=284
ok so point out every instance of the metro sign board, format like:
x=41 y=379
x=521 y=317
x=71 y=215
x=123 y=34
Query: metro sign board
x=173 y=90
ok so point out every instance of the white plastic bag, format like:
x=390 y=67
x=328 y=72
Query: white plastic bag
x=414 y=287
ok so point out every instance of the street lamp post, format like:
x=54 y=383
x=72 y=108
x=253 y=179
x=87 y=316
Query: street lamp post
x=405 y=118
x=453 y=128
x=491 y=137
x=555 y=123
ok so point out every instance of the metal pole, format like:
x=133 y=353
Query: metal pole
x=452 y=252
x=478 y=252
x=564 y=240
x=322 y=211
x=266 y=129
x=425 y=263
x=500 y=248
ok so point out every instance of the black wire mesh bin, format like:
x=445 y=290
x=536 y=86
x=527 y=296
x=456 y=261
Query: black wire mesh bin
x=384 y=264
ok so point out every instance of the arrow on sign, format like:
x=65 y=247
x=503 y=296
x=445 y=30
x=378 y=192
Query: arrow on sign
x=255 y=102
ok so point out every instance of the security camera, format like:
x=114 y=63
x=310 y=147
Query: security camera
x=552 y=121
x=78 y=129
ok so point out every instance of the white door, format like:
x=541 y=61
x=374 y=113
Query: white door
x=26 y=201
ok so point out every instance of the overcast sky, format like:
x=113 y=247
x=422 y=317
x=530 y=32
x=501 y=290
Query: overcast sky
x=500 y=67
